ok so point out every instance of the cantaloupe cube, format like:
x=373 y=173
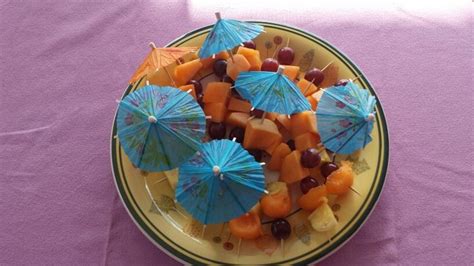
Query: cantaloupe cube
x=186 y=88
x=280 y=152
x=303 y=122
x=217 y=92
x=313 y=102
x=186 y=71
x=236 y=65
x=306 y=87
x=271 y=116
x=272 y=147
x=237 y=119
x=307 y=140
x=283 y=121
x=217 y=111
x=238 y=105
x=208 y=62
x=291 y=169
x=252 y=56
x=291 y=72
x=260 y=134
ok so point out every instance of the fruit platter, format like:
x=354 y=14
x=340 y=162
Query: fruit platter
x=249 y=143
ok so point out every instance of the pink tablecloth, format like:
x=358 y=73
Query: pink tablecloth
x=64 y=63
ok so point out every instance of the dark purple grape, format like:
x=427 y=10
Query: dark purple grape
x=315 y=75
x=257 y=154
x=237 y=133
x=228 y=79
x=286 y=55
x=308 y=183
x=281 y=229
x=310 y=158
x=342 y=82
x=270 y=65
x=217 y=130
x=235 y=93
x=250 y=44
x=220 y=68
x=199 y=98
x=327 y=168
x=197 y=85
x=257 y=113
x=291 y=144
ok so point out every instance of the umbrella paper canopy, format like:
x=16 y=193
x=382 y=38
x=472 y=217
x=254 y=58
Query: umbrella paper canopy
x=345 y=118
x=160 y=57
x=219 y=183
x=226 y=34
x=271 y=92
x=160 y=127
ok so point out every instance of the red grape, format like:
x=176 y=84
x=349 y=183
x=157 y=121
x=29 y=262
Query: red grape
x=286 y=55
x=250 y=44
x=257 y=154
x=270 y=65
x=217 y=130
x=308 y=183
x=237 y=133
x=197 y=86
x=327 y=168
x=315 y=75
x=256 y=113
x=310 y=158
x=220 y=67
x=281 y=229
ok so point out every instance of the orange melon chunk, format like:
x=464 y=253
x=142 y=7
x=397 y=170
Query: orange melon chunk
x=252 y=56
x=186 y=88
x=291 y=71
x=313 y=102
x=307 y=140
x=303 y=122
x=313 y=199
x=284 y=121
x=340 y=181
x=271 y=116
x=238 y=105
x=185 y=72
x=237 y=65
x=291 y=169
x=280 y=152
x=247 y=226
x=277 y=204
x=237 y=119
x=303 y=85
x=260 y=135
x=331 y=74
x=217 y=111
x=272 y=147
x=217 y=92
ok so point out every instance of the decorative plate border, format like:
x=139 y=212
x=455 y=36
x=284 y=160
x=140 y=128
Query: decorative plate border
x=163 y=242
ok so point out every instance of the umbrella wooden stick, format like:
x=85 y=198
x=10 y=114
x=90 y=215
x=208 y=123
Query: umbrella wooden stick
x=147 y=83
x=238 y=247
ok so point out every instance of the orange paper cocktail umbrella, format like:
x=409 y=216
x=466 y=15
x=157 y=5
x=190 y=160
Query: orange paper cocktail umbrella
x=160 y=57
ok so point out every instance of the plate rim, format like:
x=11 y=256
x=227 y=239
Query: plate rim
x=180 y=257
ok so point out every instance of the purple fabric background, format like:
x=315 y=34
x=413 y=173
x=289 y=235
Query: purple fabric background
x=63 y=64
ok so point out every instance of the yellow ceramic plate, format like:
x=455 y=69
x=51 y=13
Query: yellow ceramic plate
x=171 y=228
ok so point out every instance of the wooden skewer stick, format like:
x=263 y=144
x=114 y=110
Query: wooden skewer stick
x=208 y=117
x=307 y=87
x=238 y=247
x=324 y=68
x=263 y=118
x=231 y=55
x=355 y=191
x=203 y=231
x=288 y=42
x=282 y=246
x=159 y=181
